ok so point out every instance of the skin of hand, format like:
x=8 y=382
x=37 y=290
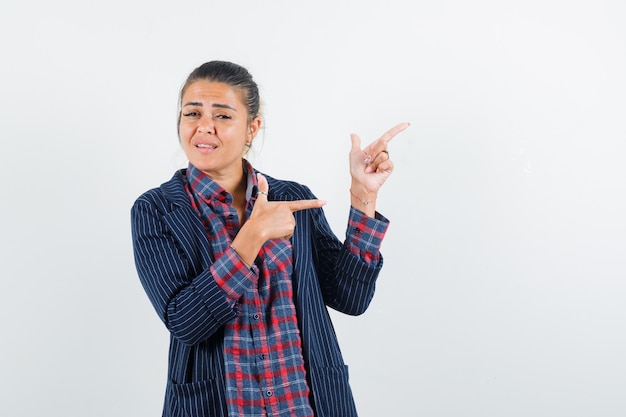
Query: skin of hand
x=268 y=220
x=370 y=167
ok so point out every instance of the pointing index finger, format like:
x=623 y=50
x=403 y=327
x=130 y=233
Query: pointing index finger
x=298 y=205
x=386 y=138
x=381 y=144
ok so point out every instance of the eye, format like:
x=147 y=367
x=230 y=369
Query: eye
x=223 y=116
x=191 y=114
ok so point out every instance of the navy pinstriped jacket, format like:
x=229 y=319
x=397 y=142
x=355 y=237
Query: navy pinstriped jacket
x=172 y=257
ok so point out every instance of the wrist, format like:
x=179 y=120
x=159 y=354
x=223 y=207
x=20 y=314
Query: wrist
x=247 y=243
x=360 y=191
x=363 y=201
x=366 y=201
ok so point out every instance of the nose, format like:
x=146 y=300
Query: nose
x=206 y=125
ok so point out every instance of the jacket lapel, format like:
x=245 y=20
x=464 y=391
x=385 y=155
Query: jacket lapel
x=185 y=224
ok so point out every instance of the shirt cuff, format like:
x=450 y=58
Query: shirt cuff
x=232 y=275
x=365 y=234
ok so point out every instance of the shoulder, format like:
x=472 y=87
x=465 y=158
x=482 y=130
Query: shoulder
x=169 y=194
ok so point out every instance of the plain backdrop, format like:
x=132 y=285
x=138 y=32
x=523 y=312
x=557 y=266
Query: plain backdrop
x=503 y=291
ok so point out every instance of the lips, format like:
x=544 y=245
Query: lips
x=205 y=147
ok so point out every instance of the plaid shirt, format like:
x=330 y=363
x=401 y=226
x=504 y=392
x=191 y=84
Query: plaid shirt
x=265 y=373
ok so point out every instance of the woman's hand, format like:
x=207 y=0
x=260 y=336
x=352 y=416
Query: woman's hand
x=268 y=220
x=370 y=167
x=276 y=217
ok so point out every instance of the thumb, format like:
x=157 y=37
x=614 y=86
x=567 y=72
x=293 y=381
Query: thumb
x=263 y=186
x=356 y=142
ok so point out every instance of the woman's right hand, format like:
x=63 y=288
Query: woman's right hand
x=268 y=220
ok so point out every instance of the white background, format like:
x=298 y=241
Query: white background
x=503 y=292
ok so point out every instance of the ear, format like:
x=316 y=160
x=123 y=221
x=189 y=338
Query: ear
x=253 y=129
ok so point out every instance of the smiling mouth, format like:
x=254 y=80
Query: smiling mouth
x=205 y=146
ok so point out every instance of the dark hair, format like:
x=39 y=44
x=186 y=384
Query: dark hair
x=236 y=76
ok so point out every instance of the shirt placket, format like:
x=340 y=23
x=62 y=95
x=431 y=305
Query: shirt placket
x=262 y=352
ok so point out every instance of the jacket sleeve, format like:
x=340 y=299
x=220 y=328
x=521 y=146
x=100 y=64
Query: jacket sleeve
x=186 y=297
x=347 y=271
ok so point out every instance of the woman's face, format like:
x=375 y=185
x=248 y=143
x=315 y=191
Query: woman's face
x=214 y=128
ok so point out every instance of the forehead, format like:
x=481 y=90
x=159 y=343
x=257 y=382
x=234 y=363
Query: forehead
x=211 y=91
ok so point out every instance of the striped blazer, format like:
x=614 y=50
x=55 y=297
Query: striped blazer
x=172 y=257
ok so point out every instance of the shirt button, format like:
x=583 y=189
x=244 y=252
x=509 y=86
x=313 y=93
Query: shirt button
x=269 y=393
x=357 y=230
x=261 y=356
x=255 y=316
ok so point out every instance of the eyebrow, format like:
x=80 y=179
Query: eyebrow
x=216 y=105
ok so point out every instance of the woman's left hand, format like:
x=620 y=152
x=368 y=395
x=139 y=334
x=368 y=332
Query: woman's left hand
x=370 y=167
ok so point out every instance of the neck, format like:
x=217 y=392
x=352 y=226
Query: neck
x=235 y=183
x=237 y=187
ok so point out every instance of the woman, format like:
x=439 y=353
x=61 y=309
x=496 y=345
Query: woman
x=241 y=267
